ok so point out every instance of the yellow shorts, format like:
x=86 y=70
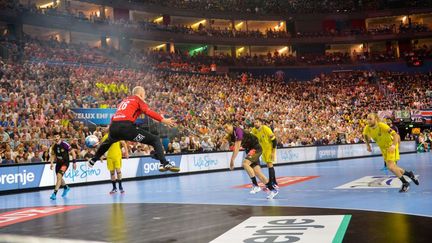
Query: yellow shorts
x=267 y=156
x=394 y=156
x=114 y=163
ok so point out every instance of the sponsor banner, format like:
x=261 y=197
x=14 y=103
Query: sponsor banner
x=17 y=177
x=99 y=116
x=355 y=150
x=48 y=176
x=283 y=181
x=305 y=229
x=94 y=115
x=148 y=166
x=129 y=167
x=290 y=155
x=30 y=176
x=327 y=152
x=208 y=161
x=407 y=147
x=374 y=182
x=27 y=214
x=83 y=173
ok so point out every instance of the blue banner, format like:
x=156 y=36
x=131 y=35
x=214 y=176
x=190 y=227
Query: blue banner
x=327 y=152
x=17 y=177
x=95 y=115
x=149 y=166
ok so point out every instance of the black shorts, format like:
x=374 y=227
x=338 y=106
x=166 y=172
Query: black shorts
x=254 y=155
x=126 y=130
x=61 y=166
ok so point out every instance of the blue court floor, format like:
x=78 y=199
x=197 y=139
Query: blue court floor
x=218 y=188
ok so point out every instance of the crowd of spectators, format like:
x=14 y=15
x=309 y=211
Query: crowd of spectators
x=210 y=31
x=36 y=99
x=288 y=7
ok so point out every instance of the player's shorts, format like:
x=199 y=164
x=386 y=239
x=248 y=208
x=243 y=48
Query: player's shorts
x=253 y=155
x=61 y=166
x=267 y=156
x=394 y=156
x=114 y=163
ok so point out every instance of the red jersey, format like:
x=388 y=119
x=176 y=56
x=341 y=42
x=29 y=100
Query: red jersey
x=131 y=108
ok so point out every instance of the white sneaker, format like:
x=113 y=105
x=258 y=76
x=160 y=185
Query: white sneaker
x=272 y=194
x=255 y=189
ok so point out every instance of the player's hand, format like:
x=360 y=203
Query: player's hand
x=232 y=164
x=171 y=122
x=74 y=166
x=369 y=148
x=391 y=149
x=51 y=166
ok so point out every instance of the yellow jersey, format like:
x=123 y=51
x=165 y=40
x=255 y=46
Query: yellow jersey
x=265 y=136
x=115 y=149
x=381 y=134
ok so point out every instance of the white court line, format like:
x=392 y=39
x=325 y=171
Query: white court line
x=33 y=239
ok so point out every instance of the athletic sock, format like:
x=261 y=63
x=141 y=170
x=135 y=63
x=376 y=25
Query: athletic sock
x=408 y=173
x=254 y=181
x=272 y=175
x=403 y=179
x=114 y=185
x=120 y=184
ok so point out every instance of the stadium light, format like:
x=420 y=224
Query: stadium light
x=50 y=4
x=277 y=27
x=283 y=49
x=160 y=46
x=197 y=50
x=198 y=23
x=158 y=20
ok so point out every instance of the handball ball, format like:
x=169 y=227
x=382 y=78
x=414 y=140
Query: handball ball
x=91 y=141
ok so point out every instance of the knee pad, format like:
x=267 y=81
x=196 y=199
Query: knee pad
x=61 y=172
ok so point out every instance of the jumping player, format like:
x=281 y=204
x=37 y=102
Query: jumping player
x=60 y=151
x=123 y=128
x=250 y=143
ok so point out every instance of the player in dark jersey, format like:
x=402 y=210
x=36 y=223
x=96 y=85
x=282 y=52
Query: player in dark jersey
x=250 y=143
x=60 y=151
x=123 y=128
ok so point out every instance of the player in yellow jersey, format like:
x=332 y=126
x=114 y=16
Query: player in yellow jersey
x=388 y=142
x=114 y=163
x=268 y=142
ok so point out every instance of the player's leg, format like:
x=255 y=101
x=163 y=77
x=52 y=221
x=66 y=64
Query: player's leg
x=268 y=159
x=391 y=158
x=102 y=149
x=66 y=187
x=117 y=166
x=110 y=166
x=249 y=170
x=60 y=170
x=142 y=136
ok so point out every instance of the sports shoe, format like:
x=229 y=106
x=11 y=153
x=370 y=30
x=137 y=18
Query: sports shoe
x=122 y=190
x=272 y=194
x=53 y=196
x=65 y=191
x=413 y=178
x=405 y=187
x=275 y=186
x=113 y=191
x=168 y=166
x=255 y=189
